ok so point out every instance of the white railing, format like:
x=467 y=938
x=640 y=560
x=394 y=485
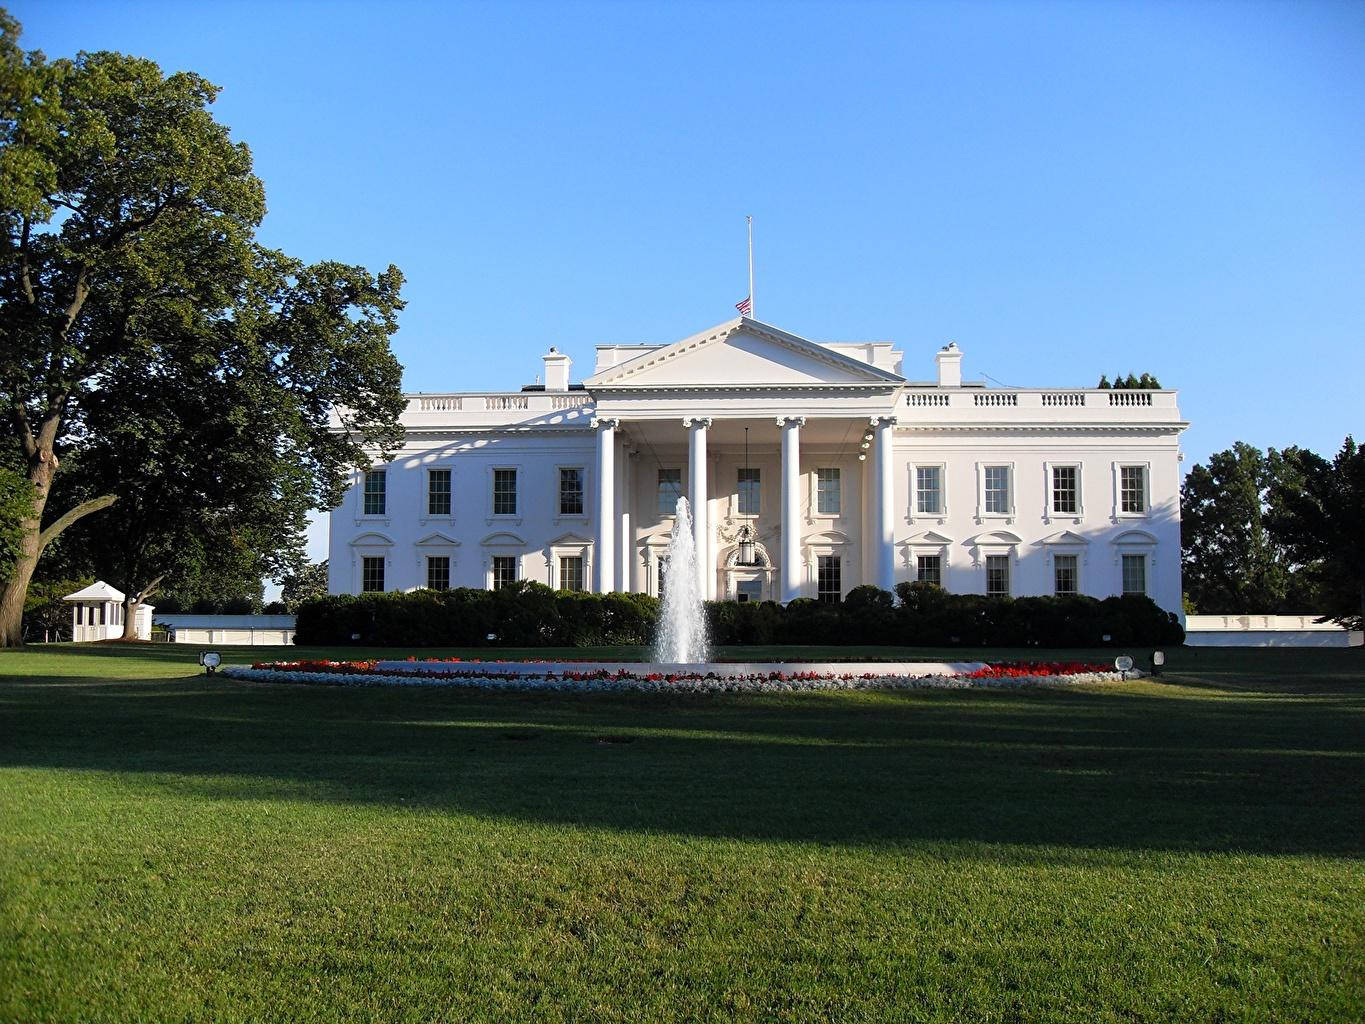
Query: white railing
x=1130 y=398
x=491 y=406
x=445 y=403
x=920 y=399
x=505 y=403
x=1063 y=398
x=995 y=398
x=569 y=401
x=1070 y=405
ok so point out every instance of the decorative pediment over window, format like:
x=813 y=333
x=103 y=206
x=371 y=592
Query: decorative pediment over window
x=1065 y=539
x=928 y=539
x=437 y=539
x=994 y=542
x=741 y=353
x=371 y=539
x=502 y=539
x=569 y=540
x=1134 y=538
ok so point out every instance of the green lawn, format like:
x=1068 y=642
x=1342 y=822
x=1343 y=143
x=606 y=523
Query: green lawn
x=180 y=847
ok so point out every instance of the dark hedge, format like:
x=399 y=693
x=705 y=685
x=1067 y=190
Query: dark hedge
x=920 y=615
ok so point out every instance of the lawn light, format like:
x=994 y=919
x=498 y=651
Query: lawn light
x=862 y=456
x=491 y=637
x=1158 y=660
x=210 y=660
x=1124 y=664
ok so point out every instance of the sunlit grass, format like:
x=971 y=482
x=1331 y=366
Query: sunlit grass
x=180 y=847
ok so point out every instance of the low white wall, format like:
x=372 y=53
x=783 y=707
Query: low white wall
x=234 y=637
x=1266 y=631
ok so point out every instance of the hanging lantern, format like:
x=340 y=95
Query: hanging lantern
x=746 y=547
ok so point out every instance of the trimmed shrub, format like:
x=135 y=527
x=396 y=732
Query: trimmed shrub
x=919 y=615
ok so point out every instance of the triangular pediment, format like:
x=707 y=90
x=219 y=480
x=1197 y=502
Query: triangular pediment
x=437 y=539
x=929 y=537
x=742 y=353
x=1066 y=538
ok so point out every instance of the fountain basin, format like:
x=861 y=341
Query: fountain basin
x=716 y=669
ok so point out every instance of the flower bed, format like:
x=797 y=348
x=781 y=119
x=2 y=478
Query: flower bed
x=488 y=676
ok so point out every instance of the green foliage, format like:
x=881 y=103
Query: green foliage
x=1131 y=382
x=525 y=614
x=45 y=613
x=16 y=505
x=153 y=348
x=531 y=615
x=304 y=582
x=1230 y=561
x=1318 y=515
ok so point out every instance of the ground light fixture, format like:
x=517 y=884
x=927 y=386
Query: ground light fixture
x=1124 y=664
x=210 y=660
x=1158 y=660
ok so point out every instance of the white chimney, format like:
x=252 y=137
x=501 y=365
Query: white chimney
x=949 y=361
x=556 y=370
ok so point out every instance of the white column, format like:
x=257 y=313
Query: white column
x=696 y=496
x=603 y=566
x=791 y=505
x=627 y=567
x=884 y=500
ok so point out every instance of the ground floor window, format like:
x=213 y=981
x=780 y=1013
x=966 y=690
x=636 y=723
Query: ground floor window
x=997 y=575
x=1064 y=575
x=929 y=569
x=570 y=572
x=372 y=574
x=438 y=572
x=504 y=571
x=1134 y=574
x=748 y=590
x=829 y=578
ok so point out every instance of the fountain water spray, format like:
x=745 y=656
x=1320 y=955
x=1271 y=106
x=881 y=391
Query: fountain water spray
x=682 y=619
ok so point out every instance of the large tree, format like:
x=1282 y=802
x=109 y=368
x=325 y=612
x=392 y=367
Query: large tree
x=1230 y=561
x=129 y=274
x=1318 y=514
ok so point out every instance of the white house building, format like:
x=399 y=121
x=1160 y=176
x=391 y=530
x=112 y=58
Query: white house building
x=839 y=469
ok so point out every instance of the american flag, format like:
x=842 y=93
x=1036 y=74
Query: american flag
x=745 y=306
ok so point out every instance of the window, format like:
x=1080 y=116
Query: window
x=1064 y=575
x=104 y=614
x=438 y=492
x=1065 y=490
x=997 y=575
x=372 y=574
x=438 y=572
x=570 y=572
x=1134 y=574
x=997 y=490
x=504 y=571
x=504 y=492
x=663 y=577
x=748 y=492
x=828 y=579
x=929 y=569
x=828 y=496
x=1133 y=489
x=571 y=492
x=670 y=490
x=929 y=490
x=376 y=484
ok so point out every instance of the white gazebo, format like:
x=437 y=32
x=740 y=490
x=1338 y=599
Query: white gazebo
x=97 y=614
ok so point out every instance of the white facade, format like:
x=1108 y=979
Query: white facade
x=1022 y=491
x=1267 y=631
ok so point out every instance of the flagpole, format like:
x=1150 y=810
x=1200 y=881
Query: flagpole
x=750 y=221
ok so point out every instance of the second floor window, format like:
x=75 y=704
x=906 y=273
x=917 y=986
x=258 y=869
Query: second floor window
x=827 y=494
x=1065 y=491
x=504 y=492
x=670 y=490
x=929 y=490
x=997 y=490
x=1133 y=489
x=376 y=486
x=570 y=493
x=748 y=492
x=438 y=492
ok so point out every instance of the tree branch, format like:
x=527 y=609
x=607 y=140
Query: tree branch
x=149 y=589
x=72 y=515
x=25 y=277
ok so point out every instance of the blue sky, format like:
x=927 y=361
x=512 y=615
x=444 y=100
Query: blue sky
x=1064 y=189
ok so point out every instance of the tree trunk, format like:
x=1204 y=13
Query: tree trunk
x=14 y=591
x=131 y=604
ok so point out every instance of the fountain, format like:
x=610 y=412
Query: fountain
x=682 y=638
